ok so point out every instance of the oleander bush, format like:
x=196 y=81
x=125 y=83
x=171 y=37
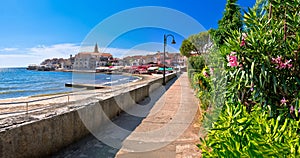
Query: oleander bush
x=263 y=63
x=261 y=105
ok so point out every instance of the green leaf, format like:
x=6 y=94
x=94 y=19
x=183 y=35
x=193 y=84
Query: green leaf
x=252 y=69
x=284 y=126
x=276 y=125
x=268 y=129
x=242 y=120
x=274 y=83
x=238 y=113
x=229 y=111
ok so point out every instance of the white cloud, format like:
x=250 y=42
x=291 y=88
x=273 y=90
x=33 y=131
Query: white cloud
x=23 y=57
x=54 y=51
x=8 y=49
x=64 y=51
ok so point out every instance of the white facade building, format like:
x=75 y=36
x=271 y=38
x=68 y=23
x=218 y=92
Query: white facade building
x=91 y=60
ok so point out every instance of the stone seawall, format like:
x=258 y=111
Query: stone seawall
x=46 y=136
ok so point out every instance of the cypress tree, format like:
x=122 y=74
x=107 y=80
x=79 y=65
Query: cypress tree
x=231 y=20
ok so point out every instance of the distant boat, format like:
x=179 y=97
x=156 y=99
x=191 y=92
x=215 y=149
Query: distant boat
x=102 y=69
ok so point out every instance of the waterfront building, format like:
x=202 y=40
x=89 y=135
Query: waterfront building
x=134 y=60
x=172 y=59
x=91 y=60
x=68 y=63
x=54 y=63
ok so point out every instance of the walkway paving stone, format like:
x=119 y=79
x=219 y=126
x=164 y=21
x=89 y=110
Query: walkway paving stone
x=165 y=125
x=170 y=129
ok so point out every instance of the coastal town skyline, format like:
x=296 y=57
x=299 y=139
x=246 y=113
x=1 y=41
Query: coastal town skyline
x=92 y=59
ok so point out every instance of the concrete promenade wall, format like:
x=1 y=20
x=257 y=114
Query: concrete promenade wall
x=43 y=137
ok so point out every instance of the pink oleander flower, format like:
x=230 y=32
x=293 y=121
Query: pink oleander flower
x=282 y=65
x=243 y=43
x=276 y=60
x=283 y=101
x=232 y=60
x=287 y=63
x=292 y=109
x=244 y=35
x=241 y=66
x=205 y=74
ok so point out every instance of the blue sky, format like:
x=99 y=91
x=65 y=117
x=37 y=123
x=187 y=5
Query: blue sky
x=32 y=30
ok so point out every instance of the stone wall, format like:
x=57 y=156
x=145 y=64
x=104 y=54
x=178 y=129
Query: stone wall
x=43 y=137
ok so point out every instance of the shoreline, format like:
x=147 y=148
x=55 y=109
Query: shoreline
x=16 y=107
x=69 y=90
x=139 y=78
x=80 y=71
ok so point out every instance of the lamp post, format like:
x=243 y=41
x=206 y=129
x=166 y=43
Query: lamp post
x=165 y=44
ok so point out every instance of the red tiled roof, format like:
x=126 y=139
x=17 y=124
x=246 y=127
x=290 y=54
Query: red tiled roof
x=106 y=54
x=94 y=54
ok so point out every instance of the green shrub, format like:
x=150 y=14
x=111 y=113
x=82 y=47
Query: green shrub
x=202 y=85
x=199 y=75
x=240 y=134
x=196 y=62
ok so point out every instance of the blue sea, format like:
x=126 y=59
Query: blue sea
x=19 y=82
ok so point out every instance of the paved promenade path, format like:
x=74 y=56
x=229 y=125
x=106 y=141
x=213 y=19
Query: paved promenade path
x=164 y=125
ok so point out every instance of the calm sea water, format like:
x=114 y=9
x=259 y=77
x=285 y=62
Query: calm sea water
x=19 y=82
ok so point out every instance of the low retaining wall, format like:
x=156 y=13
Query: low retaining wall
x=49 y=135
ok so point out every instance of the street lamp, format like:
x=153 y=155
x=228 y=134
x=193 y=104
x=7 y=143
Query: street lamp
x=165 y=44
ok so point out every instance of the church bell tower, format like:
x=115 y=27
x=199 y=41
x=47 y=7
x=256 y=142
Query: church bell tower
x=96 y=48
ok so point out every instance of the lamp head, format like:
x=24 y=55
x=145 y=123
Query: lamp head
x=173 y=41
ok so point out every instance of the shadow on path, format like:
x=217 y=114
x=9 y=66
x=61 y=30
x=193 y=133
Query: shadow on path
x=90 y=146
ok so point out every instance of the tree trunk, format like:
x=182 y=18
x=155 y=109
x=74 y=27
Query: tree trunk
x=285 y=27
x=270 y=11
